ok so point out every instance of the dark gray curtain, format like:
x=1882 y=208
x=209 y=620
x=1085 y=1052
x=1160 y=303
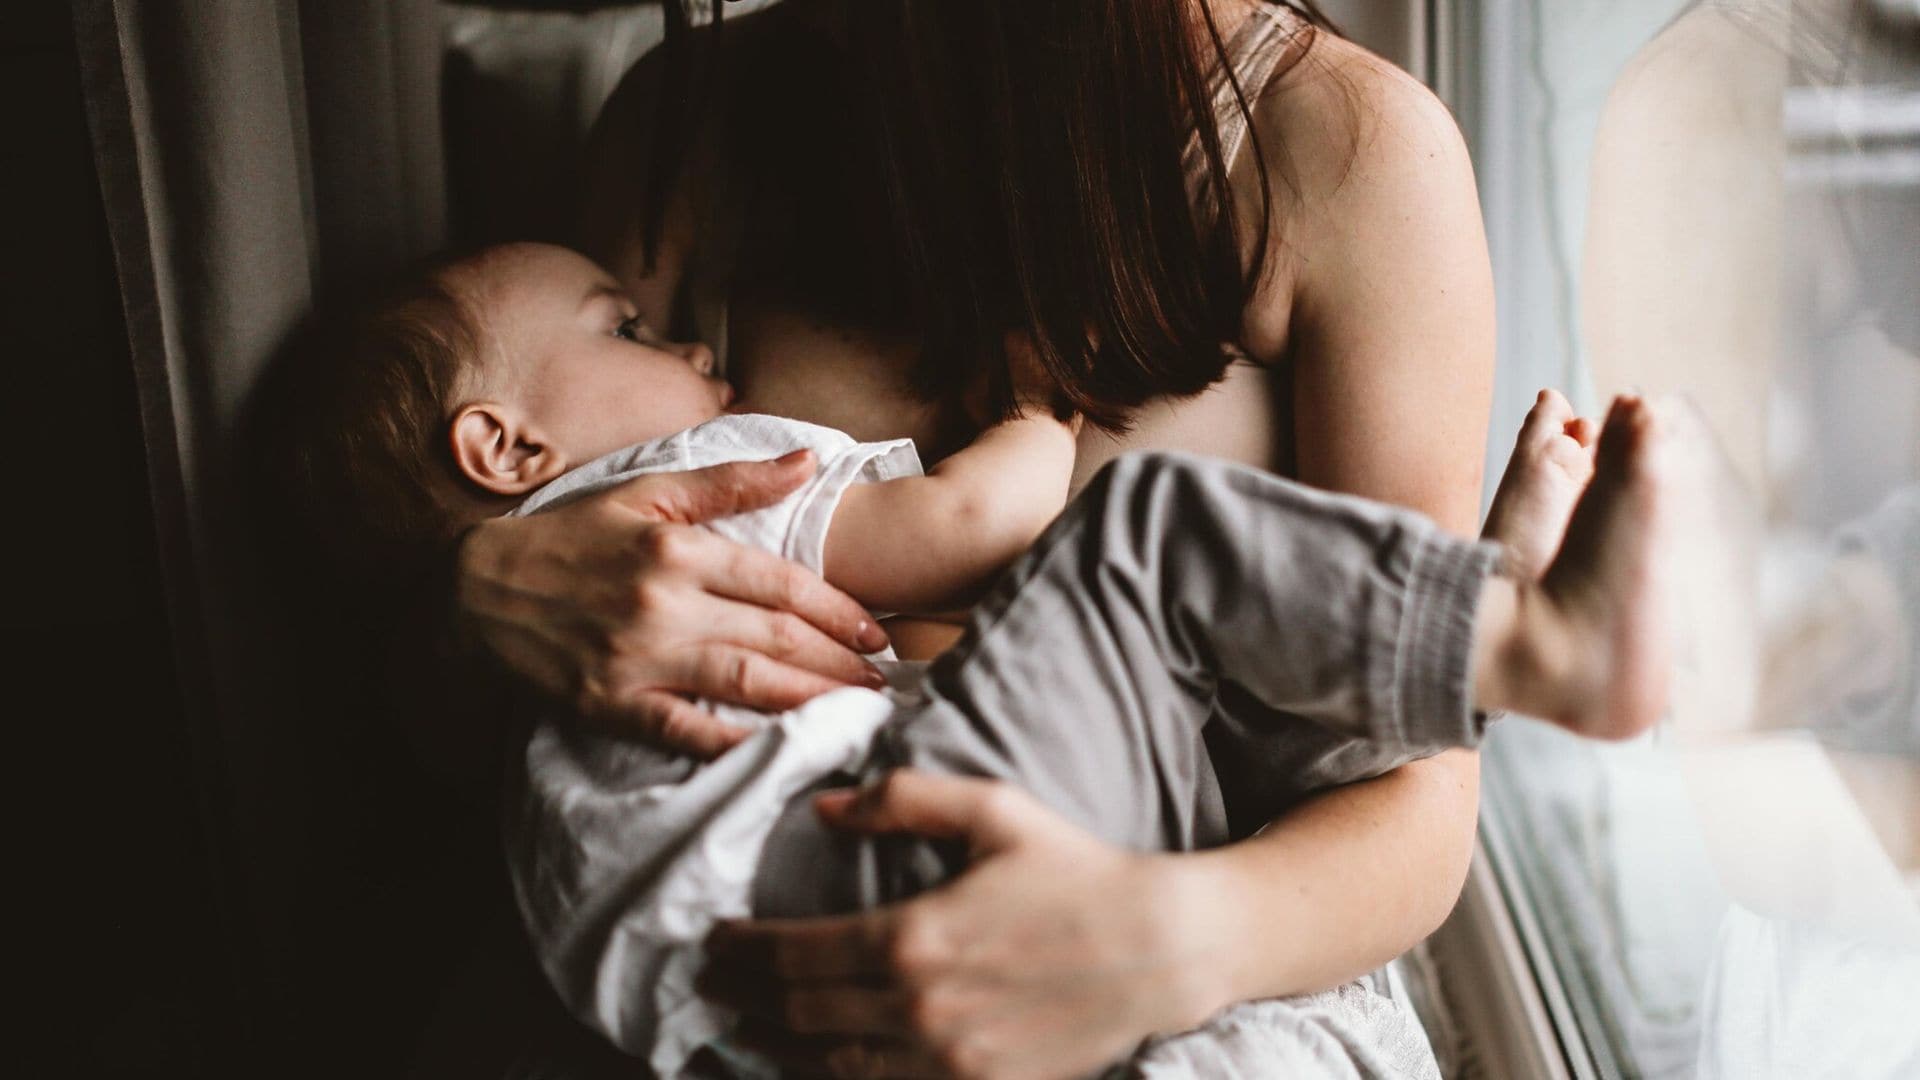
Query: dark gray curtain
x=254 y=157
x=252 y=154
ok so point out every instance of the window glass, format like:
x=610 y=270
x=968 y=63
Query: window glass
x=1723 y=199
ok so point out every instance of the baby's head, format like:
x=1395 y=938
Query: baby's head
x=560 y=369
x=473 y=383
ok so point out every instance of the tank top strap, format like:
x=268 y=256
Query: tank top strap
x=1263 y=42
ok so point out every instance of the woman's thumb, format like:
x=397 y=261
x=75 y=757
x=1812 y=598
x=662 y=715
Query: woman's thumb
x=925 y=804
x=718 y=490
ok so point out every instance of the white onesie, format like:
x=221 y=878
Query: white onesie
x=623 y=856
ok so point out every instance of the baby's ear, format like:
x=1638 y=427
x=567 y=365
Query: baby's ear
x=498 y=448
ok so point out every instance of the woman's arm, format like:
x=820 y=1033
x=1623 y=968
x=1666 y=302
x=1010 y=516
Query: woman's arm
x=1383 y=310
x=1391 y=340
x=1340 y=885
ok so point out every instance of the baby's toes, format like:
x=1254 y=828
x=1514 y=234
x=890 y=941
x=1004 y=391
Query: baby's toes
x=1547 y=418
x=1583 y=430
x=1634 y=447
x=1570 y=458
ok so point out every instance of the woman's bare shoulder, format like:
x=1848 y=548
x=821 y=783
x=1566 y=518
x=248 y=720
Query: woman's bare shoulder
x=1344 y=127
x=1366 y=166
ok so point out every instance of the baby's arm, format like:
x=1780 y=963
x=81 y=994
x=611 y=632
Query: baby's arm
x=933 y=542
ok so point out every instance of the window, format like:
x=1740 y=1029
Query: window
x=1723 y=199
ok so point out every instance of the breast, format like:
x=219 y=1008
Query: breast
x=785 y=361
x=1243 y=417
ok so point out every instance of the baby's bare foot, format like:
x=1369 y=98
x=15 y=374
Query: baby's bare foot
x=1600 y=621
x=1551 y=464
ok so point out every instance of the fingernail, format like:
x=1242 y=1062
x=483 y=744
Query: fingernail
x=792 y=457
x=875 y=677
x=834 y=802
x=870 y=637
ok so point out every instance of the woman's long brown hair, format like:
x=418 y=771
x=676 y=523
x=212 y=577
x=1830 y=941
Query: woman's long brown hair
x=1029 y=163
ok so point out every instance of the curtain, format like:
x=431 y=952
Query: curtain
x=253 y=155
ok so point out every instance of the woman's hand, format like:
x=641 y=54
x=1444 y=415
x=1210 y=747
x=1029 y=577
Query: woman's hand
x=1051 y=956
x=620 y=605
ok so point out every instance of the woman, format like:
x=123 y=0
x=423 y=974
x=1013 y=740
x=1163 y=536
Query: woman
x=859 y=204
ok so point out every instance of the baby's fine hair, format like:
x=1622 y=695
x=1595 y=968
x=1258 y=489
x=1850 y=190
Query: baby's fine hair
x=363 y=404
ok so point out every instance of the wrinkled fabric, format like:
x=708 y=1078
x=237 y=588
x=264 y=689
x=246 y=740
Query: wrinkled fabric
x=1794 y=1001
x=1365 y=1030
x=796 y=526
x=623 y=856
x=1085 y=677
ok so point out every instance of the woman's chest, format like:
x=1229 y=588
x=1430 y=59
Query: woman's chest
x=1245 y=417
x=786 y=362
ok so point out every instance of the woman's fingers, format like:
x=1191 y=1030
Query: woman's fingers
x=840 y=1058
x=791 y=640
x=1023 y=966
x=756 y=577
x=716 y=491
x=620 y=606
x=986 y=813
x=838 y=1008
x=670 y=721
x=800 y=950
x=740 y=676
x=734 y=570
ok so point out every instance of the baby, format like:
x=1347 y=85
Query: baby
x=1316 y=639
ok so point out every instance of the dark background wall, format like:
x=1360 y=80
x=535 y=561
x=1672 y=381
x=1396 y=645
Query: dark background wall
x=118 y=945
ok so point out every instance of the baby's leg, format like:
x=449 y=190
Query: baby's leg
x=1552 y=462
x=1087 y=675
x=1324 y=631
x=1179 y=589
x=1588 y=645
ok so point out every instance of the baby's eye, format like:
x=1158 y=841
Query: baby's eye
x=629 y=329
